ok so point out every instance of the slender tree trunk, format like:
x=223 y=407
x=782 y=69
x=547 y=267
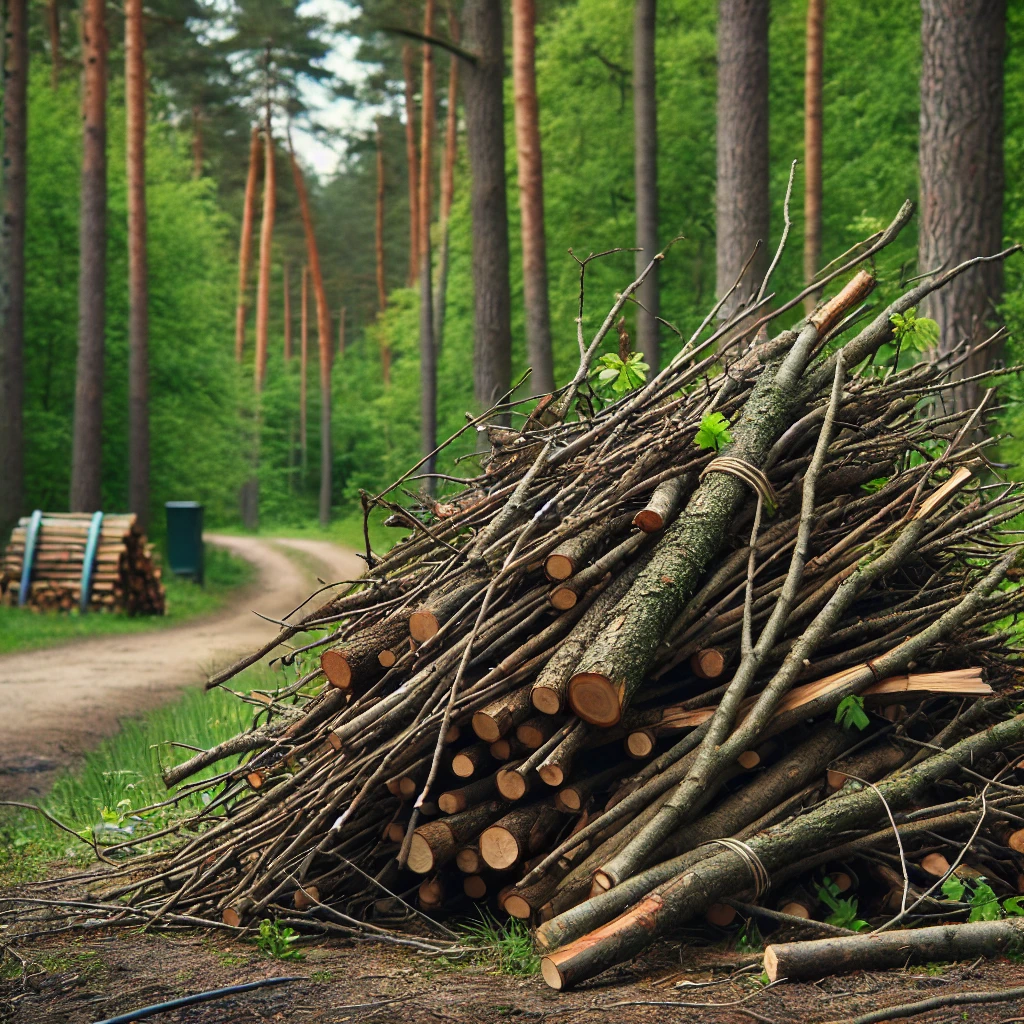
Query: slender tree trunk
x=813 y=78
x=531 y=197
x=645 y=159
x=197 y=141
x=138 y=272
x=245 y=243
x=266 y=253
x=451 y=141
x=87 y=438
x=741 y=194
x=485 y=137
x=428 y=352
x=323 y=327
x=303 y=370
x=408 y=68
x=287 y=315
x=12 y=264
x=53 y=28
x=341 y=332
x=961 y=156
x=378 y=239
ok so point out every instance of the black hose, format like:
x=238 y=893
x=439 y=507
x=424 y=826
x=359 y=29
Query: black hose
x=199 y=997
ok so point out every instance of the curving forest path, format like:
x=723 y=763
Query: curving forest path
x=58 y=703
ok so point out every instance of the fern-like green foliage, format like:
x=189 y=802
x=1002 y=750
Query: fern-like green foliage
x=850 y=713
x=844 y=911
x=276 y=940
x=981 y=898
x=619 y=376
x=910 y=331
x=713 y=432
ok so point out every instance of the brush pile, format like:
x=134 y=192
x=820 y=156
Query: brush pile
x=600 y=682
x=124 y=575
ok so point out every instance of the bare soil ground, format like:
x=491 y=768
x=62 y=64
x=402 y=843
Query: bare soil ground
x=73 y=981
x=70 y=697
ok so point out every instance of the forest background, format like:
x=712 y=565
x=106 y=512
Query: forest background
x=202 y=404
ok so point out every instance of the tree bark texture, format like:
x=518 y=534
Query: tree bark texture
x=531 y=198
x=741 y=193
x=813 y=78
x=323 y=328
x=961 y=164
x=12 y=264
x=266 y=255
x=408 y=69
x=245 y=241
x=287 y=314
x=428 y=351
x=138 y=270
x=87 y=440
x=304 y=370
x=53 y=28
x=378 y=238
x=485 y=137
x=451 y=141
x=645 y=164
x=804 y=961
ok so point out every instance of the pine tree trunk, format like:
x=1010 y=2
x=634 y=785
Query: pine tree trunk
x=741 y=194
x=138 y=272
x=87 y=440
x=645 y=158
x=304 y=372
x=287 y=315
x=813 y=77
x=197 y=141
x=485 y=137
x=451 y=141
x=323 y=326
x=12 y=264
x=53 y=28
x=428 y=352
x=412 y=163
x=266 y=254
x=531 y=198
x=245 y=243
x=961 y=159
x=378 y=238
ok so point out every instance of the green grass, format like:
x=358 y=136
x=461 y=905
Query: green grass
x=123 y=774
x=22 y=629
x=507 y=947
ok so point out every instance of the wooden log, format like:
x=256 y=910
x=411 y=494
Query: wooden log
x=472 y=760
x=475 y=887
x=535 y=732
x=819 y=958
x=708 y=663
x=519 y=833
x=661 y=506
x=513 y=784
x=508 y=748
x=437 y=842
x=566 y=594
x=468 y=860
x=431 y=616
x=570 y=556
x=356 y=662
x=502 y=715
x=555 y=768
x=573 y=797
x=454 y=800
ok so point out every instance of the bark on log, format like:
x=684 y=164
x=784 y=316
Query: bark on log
x=437 y=842
x=518 y=834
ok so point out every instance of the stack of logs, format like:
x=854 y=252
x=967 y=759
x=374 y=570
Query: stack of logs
x=125 y=574
x=628 y=678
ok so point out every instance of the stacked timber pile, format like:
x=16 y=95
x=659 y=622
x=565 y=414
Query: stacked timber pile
x=124 y=574
x=661 y=658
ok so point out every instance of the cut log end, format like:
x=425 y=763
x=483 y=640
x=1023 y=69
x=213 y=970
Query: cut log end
x=935 y=864
x=501 y=750
x=551 y=774
x=796 y=910
x=595 y=699
x=511 y=785
x=546 y=699
x=563 y=598
x=474 y=887
x=499 y=847
x=487 y=727
x=551 y=974
x=558 y=567
x=450 y=803
x=467 y=860
x=386 y=658
x=708 y=664
x=516 y=906
x=749 y=759
x=462 y=766
x=771 y=964
x=231 y=917
x=306 y=898
x=1016 y=840
x=640 y=743
x=421 y=856
x=395 y=832
x=569 y=800
x=423 y=625
x=720 y=914
x=337 y=669
x=648 y=520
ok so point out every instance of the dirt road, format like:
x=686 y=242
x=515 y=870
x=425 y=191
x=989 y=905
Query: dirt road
x=58 y=703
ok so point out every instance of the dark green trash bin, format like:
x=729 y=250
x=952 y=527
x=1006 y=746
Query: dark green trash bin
x=185 y=538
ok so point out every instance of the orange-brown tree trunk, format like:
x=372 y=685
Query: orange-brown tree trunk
x=428 y=353
x=813 y=76
x=451 y=141
x=87 y=441
x=287 y=316
x=382 y=291
x=531 y=197
x=53 y=28
x=303 y=369
x=323 y=325
x=138 y=272
x=266 y=243
x=245 y=243
x=408 y=69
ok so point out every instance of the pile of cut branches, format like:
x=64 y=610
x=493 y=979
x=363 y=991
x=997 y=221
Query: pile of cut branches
x=696 y=646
